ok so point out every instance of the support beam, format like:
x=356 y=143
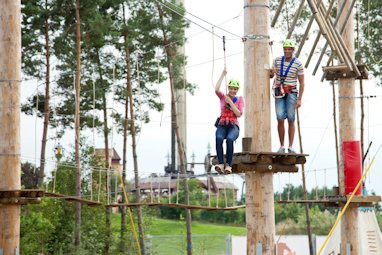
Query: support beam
x=337 y=72
x=295 y=18
x=278 y=11
x=323 y=28
x=312 y=50
x=10 y=78
x=341 y=32
x=348 y=57
x=260 y=220
x=305 y=36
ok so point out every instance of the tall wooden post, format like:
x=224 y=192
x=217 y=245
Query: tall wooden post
x=347 y=130
x=259 y=186
x=10 y=76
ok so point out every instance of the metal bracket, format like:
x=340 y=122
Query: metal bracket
x=10 y=154
x=255 y=5
x=259 y=249
x=256 y=37
x=9 y=80
x=348 y=249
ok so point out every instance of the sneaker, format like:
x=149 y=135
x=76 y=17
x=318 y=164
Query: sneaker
x=291 y=150
x=219 y=168
x=281 y=150
x=228 y=170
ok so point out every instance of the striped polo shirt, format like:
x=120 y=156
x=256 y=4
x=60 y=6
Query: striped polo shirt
x=295 y=70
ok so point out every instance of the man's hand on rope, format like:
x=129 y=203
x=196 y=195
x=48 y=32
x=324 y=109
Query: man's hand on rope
x=272 y=72
x=298 y=103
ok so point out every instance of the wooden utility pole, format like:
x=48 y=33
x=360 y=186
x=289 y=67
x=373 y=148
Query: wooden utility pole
x=347 y=131
x=10 y=78
x=260 y=217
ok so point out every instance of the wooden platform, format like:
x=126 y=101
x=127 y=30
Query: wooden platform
x=332 y=73
x=265 y=162
x=193 y=207
x=27 y=196
x=72 y=199
x=339 y=201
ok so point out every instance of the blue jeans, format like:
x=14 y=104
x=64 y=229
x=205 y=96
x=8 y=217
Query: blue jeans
x=230 y=133
x=286 y=107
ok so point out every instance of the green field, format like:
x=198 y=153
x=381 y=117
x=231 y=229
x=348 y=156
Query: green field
x=169 y=236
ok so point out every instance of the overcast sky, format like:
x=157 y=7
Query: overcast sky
x=203 y=108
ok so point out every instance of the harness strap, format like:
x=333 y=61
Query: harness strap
x=282 y=76
x=233 y=100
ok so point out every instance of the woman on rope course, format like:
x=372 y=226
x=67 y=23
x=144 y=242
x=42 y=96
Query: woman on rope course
x=231 y=108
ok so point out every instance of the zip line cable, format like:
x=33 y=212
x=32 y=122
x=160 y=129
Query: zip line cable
x=181 y=15
x=319 y=145
x=184 y=17
x=99 y=90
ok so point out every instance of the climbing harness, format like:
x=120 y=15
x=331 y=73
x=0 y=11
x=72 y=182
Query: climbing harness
x=227 y=115
x=281 y=90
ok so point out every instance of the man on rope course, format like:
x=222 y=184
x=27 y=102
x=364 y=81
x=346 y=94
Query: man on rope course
x=231 y=107
x=288 y=70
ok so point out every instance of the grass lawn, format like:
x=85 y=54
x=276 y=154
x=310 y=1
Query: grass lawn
x=169 y=236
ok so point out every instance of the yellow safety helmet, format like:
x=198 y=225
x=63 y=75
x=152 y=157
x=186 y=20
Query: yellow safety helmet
x=234 y=83
x=289 y=43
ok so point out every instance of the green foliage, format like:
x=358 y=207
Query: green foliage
x=321 y=221
x=369 y=39
x=287 y=14
x=288 y=211
x=379 y=219
x=36 y=228
x=29 y=176
x=48 y=228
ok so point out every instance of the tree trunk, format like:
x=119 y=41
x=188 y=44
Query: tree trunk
x=107 y=158
x=179 y=142
x=133 y=138
x=77 y=231
x=46 y=103
x=10 y=77
x=125 y=123
x=182 y=160
x=124 y=208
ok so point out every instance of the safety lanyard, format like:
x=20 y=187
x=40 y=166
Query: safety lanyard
x=283 y=76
